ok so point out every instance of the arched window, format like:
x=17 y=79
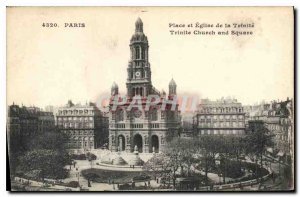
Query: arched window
x=137 y=52
x=143 y=53
x=120 y=115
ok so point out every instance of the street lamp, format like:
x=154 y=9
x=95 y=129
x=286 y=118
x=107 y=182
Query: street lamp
x=78 y=175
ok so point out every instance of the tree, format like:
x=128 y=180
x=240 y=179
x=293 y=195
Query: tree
x=208 y=147
x=46 y=156
x=158 y=165
x=231 y=148
x=43 y=164
x=257 y=141
x=180 y=153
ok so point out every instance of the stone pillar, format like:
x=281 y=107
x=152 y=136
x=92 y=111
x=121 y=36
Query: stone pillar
x=146 y=144
x=113 y=143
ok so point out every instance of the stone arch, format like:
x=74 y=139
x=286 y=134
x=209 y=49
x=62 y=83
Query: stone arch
x=154 y=143
x=138 y=141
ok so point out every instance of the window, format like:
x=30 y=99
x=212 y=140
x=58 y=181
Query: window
x=120 y=115
x=153 y=114
x=234 y=124
x=143 y=53
x=137 y=52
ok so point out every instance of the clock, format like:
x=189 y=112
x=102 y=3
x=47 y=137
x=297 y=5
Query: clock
x=138 y=74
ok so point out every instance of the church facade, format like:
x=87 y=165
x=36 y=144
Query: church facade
x=147 y=125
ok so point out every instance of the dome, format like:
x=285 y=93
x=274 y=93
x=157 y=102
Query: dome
x=172 y=82
x=138 y=21
x=139 y=26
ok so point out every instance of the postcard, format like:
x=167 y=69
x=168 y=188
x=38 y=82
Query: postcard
x=150 y=99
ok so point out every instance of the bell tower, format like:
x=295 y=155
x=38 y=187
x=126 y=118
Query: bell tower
x=172 y=87
x=139 y=72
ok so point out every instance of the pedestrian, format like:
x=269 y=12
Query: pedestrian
x=149 y=183
x=241 y=186
x=133 y=166
x=145 y=185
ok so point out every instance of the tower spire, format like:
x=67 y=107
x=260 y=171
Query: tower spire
x=139 y=25
x=138 y=71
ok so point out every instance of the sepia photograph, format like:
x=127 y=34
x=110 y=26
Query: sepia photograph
x=150 y=99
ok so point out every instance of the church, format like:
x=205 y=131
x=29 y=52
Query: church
x=146 y=128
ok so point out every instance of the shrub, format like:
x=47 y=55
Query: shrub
x=78 y=157
x=142 y=177
x=73 y=184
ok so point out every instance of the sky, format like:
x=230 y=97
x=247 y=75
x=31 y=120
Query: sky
x=49 y=66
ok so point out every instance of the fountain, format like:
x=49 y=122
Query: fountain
x=136 y=160
x=119 y=160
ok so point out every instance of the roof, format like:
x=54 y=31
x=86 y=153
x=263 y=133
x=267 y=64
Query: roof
x=172 y=82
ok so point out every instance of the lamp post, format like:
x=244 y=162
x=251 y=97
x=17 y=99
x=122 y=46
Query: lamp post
x=78 y=175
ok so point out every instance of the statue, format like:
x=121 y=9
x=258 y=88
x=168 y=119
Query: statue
x=153 y=149
x=112 y=139
x=162 y=140
x=128 y=139
x=135 y=148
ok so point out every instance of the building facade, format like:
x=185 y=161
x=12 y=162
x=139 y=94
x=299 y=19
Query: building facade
x=24 y=122
x=29 y=120
x=278 y=119
x=221 y=117
x=85 y=125
x=146 y=128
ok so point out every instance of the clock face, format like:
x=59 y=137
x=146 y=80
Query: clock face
x=138 y=74
x=137 y=113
